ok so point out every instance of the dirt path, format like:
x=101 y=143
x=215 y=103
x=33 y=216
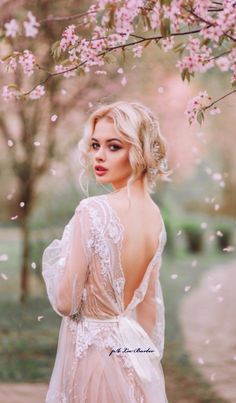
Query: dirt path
x=23 y=392
x=208 y=317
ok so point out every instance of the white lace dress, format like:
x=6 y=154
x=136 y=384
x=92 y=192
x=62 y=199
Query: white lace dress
x=106 y=353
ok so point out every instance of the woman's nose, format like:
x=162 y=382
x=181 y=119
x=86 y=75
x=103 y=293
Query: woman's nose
x=100 y=155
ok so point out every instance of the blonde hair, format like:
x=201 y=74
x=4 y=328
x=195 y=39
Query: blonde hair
x=139 y=127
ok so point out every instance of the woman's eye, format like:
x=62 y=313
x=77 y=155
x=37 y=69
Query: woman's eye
x=115 y=147
x=93 y=145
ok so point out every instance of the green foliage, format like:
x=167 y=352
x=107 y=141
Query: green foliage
x=56 y=51
x=193 y=234
x=200 y=116
x=165 y=27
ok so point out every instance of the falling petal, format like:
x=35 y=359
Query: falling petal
x=216 y=176
x=208 y=171
x=194 y=263
x=3 y=275
x=207 y=341
x=37 y=143
x=40 y=317
x=216 y=207
x=54 y=118
x=203 y=225
x=216 y=288
x=160 y=90
x=124 y=81
x=63 y=91
x=212 y=378
x=179 y=232
x=229 y=249
x=200 y=360
x=120 y=70
x=187 y=288
x=174 y=276
x=22 y=204
x=10 y=143
x=33 y=265
x=53 y=171
x=14 y=218
x=219 y=233
x=211 y=237
x=90 y=104
x=3 y=258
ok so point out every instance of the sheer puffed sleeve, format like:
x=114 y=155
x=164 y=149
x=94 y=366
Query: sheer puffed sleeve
x=65 y=264
x=150 y=312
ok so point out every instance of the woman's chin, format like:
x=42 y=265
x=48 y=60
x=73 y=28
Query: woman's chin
x=102 y=179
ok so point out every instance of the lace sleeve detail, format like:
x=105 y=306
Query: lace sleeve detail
x=65 y=264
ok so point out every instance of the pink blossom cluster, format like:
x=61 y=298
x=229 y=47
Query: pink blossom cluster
x=137 y=50
x=197 y=104
x=9 y=93
x=167 y=43
x=201 y=8
x=125 y=16
x=31 y=26
x=27 y=61
x=224 y=22
x=69 y=37
x=12 y=27
x=213 y=44
x=232 y=59
x=155 y=16
x=198 y=59
x=38 y=92
x=173 y=12
x=10 y=64
x=89 y=52
x=65 y=70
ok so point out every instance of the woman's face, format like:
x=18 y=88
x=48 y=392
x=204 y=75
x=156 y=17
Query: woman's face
x=110 y=151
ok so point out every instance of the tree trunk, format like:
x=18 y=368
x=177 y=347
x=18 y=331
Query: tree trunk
x=24 y=279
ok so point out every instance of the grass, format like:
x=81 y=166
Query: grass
x=28 y=346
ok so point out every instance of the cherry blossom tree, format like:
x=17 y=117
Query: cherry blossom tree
x=201 y=32
x=29 y=130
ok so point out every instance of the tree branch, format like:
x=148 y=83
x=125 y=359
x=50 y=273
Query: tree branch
x=219 y=99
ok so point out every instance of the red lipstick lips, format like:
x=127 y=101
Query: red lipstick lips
x=100 y=170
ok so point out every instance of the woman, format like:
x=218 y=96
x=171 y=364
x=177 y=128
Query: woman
x=102 y=277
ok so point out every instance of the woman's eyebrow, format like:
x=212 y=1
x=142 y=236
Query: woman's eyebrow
x=93 y=138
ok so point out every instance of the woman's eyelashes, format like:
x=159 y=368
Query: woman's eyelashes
x=113 y=147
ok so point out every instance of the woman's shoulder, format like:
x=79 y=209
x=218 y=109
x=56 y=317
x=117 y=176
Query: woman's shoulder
x=89 y=202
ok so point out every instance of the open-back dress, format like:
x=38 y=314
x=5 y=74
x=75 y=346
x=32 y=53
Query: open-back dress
x=106 y=353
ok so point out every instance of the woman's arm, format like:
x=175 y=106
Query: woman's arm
x=65 y=265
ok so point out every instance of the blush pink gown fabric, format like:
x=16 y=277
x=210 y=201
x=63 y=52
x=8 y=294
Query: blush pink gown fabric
x=106 y=353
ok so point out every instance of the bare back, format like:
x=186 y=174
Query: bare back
x=142 y=225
